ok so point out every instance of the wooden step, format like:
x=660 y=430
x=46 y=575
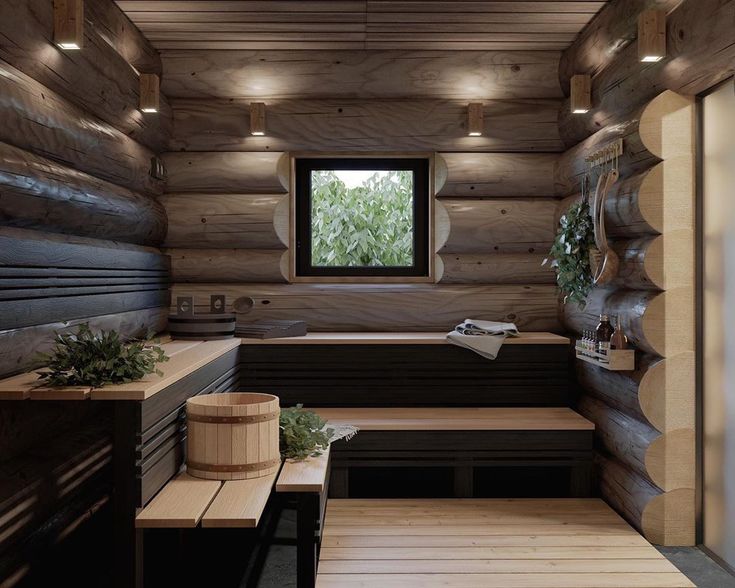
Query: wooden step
x=239 y=503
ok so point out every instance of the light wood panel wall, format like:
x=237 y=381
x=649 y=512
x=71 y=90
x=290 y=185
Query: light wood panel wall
x=77 y=204
x=645 y=420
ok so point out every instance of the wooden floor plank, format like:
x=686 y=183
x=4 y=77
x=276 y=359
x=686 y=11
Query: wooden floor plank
x=593 y=580
x=451 y=541
x=571 y=529
x=475 y=543
x=495 y=566
x=467 y=553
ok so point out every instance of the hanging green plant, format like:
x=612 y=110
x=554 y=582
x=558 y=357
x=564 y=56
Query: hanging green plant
x=570 y=254
x=88 y=359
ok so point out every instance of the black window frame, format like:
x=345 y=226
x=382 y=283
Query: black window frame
x=421 y=212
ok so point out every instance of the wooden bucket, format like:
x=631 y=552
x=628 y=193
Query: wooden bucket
x=232 y=436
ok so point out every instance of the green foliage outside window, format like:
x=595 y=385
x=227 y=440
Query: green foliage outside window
x=365 y=226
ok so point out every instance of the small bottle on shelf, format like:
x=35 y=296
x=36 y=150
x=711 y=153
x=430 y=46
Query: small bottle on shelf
x=618 y=339
x=603 y=333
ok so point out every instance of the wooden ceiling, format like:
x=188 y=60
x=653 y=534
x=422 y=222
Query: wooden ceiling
x=361 y=24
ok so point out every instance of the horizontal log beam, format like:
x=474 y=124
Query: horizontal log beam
x=499 y=175
x=700 y=54
x=494 y=268
x=366 y=125
x=494 y=75
x=213 y=221
x=659 y=390
x=228 y=265
x=602 y=40
x=114 y=26
x=641 y=263
x=37 y=193
x=97 y=79
x=232 y=172
x=39 y=120
x=15 y=343
x=499 y=226
x=387 y=307
x=652 y=320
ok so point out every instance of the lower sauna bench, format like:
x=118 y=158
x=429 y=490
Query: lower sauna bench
x=487 y=543
x=186 y=502
x=461 y=452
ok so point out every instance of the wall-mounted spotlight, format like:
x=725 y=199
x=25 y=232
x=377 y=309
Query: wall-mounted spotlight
x=150 y=92
x=257 y=118
x=475 y=121
x=580 y=94
x=652 y=36
x=69 y=24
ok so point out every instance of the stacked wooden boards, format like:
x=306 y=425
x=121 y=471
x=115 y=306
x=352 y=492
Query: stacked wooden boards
x=485 y=543
x=645 y=419
x=79 y=223
x=227 y=199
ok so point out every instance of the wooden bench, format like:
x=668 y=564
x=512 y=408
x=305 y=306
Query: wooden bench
x=463 y=439
x=186 y=502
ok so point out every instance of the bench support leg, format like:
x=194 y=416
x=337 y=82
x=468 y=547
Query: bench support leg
x=307 y=520
x=464 y=479
x=339 y=483
x=580 y=481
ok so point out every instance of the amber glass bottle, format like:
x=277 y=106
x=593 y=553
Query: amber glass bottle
x=603 y=333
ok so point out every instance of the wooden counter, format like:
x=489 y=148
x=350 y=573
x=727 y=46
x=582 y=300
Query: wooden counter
x=399 y=339
x=185 y=357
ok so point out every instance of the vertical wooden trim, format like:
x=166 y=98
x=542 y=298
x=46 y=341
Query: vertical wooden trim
x=150 y=92
x=69 y=23
x=581 y=94
x=257 y=118
x=652 y=36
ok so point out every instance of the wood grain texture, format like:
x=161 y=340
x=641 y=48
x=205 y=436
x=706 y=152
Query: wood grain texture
x=238 y=173
x=365 y=125
x=14 y=343
x=410 y=338
x=97 y=79
x=499 y=226
x=114 y=26
x=388 y=307
x=495 y=268
x=600 y=43
x=227 y=265
x=457 y=419
x=499 y=175
x=180 y=504
x=239 y=503
x=700 y=53
x=307 y=475
x=493 y=75
x=644 y=315
x=641 y=263
x=41 y=121
x=478 y=543
x=38 y=193
x=338 y=25
x=243 y=221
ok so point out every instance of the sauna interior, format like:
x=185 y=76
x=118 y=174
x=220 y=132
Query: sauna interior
x=367 y=293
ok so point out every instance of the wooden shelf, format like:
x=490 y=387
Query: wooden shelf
x=617 y=360
x=378 y=338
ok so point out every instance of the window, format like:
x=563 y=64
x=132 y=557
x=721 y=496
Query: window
x=362 y=217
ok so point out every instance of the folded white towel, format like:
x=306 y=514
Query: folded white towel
x=482 y=337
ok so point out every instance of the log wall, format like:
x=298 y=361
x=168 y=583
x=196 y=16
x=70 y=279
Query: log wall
x=645 y=419
x=80 y=224
x=227 y=198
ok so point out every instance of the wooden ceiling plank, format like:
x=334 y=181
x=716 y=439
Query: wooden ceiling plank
x=578 y=18
x=250 y=17
x=496 y=6
x=243 y=6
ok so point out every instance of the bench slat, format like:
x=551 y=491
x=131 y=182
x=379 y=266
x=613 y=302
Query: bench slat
x=240 y=503
x=458 y=419
x=308 y=475
x=180 y=504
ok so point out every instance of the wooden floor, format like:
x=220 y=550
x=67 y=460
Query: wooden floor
x=474 y=543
